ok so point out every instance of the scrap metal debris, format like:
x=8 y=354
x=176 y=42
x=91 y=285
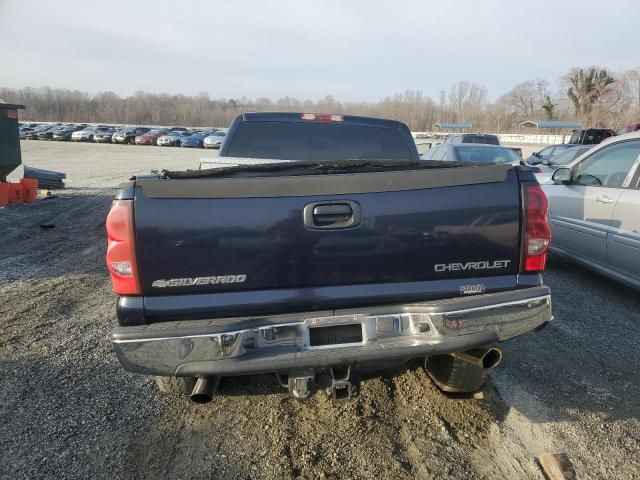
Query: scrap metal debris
x=47 y=179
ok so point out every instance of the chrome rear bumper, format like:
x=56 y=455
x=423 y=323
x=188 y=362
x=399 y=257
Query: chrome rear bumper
x=281 y=343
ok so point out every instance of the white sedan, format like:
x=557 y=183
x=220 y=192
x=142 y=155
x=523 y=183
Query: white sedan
x=214 y=140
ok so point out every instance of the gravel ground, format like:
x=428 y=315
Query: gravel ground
x=68 y=410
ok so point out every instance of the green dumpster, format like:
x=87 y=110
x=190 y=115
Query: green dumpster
x=10 y=157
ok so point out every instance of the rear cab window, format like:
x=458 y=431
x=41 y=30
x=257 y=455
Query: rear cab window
x=484 y=139
x=575 y=137
x=317 y=141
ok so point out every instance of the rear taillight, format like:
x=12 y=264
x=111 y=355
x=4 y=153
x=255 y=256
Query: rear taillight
x=537 y=234
x=121 y=252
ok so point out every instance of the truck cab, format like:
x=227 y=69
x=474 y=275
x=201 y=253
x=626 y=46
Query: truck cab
x=590 y=136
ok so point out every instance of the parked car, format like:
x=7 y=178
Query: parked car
x=103 y=135
x=173 y=139
x=87 y=134
x=129 y=134
x=423 y=148
x=65 y=133
x=195 y=140
x=151 y=137
x=594 y=205
x=517 y=150
x=33 y=134
x=565 y=157
x=634 y=127
x=537 y=158
x=590 y=136
x=214 y=140
x=472 y=153
x=472 y=138
x=48 y=133
x=23 y=131
x=346 y=252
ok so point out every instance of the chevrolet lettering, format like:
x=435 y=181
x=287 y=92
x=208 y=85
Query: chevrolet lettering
x=481 y=265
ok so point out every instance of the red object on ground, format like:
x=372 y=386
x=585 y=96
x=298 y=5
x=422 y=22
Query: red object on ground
x=16 y=193
x=4 y=194
x=30 y=189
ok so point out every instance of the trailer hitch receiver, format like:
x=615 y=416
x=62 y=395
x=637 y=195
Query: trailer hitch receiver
x=341 y=387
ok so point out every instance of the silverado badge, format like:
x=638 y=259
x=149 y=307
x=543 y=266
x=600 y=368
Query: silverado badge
x=188 y=282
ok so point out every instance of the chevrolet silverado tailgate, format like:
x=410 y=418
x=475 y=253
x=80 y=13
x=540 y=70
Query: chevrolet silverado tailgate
x=221 y=235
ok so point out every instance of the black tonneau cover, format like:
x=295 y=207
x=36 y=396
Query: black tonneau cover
x=349 y=183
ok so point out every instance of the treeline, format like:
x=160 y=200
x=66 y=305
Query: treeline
x=592 y=96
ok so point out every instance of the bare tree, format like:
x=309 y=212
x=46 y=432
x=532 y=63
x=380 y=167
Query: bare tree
x=526 y=98
x=548 y=106
x=586 y=87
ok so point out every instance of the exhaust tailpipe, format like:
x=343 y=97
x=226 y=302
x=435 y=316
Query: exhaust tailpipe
x=481 y=357
x=204 y=389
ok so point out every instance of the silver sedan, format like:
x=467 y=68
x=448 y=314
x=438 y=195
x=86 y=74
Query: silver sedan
x=594 y=209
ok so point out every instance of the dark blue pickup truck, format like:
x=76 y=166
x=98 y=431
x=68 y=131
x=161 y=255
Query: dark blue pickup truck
x=329 y=250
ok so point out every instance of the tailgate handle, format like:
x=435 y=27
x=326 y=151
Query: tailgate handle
x=332 y=212
x=331 y=215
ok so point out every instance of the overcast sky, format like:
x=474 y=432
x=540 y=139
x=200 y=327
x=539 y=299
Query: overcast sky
x=356 y=50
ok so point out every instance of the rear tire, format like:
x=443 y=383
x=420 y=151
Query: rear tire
x=451 y=374
x=176 y=385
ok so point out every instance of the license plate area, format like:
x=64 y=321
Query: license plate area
x=335 y=335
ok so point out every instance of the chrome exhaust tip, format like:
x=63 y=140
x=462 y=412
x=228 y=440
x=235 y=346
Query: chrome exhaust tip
x=481 y=357
x=492 y=358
